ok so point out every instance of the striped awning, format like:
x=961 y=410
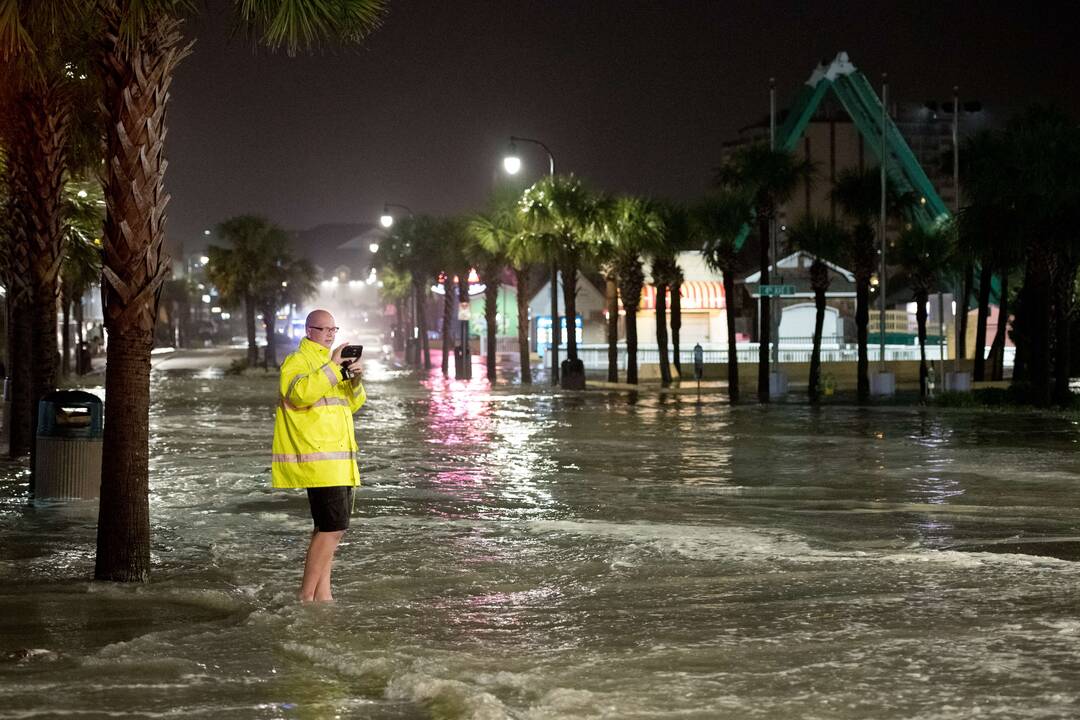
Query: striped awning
x=695 y=295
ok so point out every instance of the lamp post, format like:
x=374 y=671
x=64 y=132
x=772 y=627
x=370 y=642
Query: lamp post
x=512 y=165
x=412 y=345
x=387 y=217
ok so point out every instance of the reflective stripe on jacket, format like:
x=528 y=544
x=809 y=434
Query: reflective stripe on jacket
x=314 y=435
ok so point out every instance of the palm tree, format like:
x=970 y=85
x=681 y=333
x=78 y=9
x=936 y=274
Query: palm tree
x=141 y=47
x=411 y=247
x=502 y=233
x=858 y=193
x=81 y=268
x=450 y=240
x=987 y=227
x=394 y=289
x=237 y=271
x=717 y=223
x=48 y=121
x=561 y=212
x=1044 y=162
x=632 y=228
x=770 y=177
x=925 y=255
x=18 y=299
x=827 y=242
x=679 y=237
x=287 y=281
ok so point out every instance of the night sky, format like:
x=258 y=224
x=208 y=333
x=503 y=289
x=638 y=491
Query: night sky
x=632 y=96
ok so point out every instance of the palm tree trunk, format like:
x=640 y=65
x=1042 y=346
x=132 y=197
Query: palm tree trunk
x=997 y=348
x=249 y=322
x=570 y=304
x=447 y=322
x=47 y=131
x=19 y=296
x=399 y=321
x=20 y=431
x=556 y=330
x=270 y=357
x=921 y=297
x=611 y=292
x=962 y=310
x=1063 y=300
x=728 y=275
x=764 y=319
x=65 y=354
x=136 y=76
x=814 y=383
x=463 y=370
x=123 y=540
x=80 y=366
x=676 y=323
x=521 y=276
x=1037 y=316
x=661 y=334
x=631 y=343
x=862 y=322
x=986 y=277
x=421 y=322
x=491 y=310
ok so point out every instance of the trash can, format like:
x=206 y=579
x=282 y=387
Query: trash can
x=69 y=437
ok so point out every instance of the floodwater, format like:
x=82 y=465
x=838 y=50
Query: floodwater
x=523 y=554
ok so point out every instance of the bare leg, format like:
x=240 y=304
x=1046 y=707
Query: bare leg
x=320 y=556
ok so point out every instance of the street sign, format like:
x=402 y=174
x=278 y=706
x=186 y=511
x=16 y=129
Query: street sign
x=464 y=311
x=776 y=290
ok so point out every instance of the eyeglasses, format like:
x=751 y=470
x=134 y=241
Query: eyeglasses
x=324 y=329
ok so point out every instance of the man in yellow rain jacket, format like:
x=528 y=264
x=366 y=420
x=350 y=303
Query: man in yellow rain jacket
x=315 y=443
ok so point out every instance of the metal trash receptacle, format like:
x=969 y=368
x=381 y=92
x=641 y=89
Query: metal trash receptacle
x=69 y=438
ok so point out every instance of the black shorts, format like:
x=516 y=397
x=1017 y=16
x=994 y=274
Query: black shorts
x=330 y=507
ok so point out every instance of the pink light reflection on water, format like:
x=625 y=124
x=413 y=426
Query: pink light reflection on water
x=460 y=421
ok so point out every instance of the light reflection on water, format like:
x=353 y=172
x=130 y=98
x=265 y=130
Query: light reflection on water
x=523 y=554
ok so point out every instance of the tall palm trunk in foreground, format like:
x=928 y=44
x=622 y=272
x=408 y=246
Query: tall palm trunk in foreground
x=136 y=75
x=19 y=301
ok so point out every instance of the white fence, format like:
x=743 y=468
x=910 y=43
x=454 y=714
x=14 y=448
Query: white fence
x=595 y=357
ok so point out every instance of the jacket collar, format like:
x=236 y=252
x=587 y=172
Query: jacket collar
x=310 y=347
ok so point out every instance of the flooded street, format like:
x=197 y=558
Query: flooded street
x=519 y=554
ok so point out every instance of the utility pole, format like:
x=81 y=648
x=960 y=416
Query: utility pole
x=774 y=301
x=884 y=159
x=956 y=208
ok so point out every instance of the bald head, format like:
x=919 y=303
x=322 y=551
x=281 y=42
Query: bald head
x=320 y=328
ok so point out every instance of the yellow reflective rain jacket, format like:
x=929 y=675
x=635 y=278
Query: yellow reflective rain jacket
x=314 y=435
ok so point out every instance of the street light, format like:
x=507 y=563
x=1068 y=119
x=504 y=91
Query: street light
x=387 y=219
x=413 y=342
x=512 y=164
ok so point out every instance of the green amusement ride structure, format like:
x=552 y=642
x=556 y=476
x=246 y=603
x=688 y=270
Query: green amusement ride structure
x=858 y=98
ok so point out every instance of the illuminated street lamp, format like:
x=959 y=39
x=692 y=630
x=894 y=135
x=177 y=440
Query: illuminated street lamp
x=512 y=164
x=387 y=218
